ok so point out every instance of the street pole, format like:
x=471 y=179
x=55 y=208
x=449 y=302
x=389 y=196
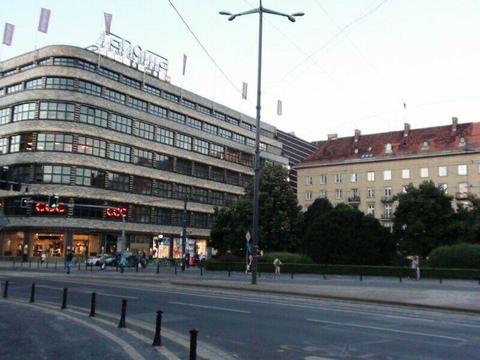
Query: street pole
x=256 y=167
x=184 y=230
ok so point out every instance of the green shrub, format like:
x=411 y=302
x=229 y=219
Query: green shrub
x=286 y=257
x=462 y=256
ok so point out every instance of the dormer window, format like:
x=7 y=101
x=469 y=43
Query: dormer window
x=462 y=141
x=388 y=148
x=425 y=145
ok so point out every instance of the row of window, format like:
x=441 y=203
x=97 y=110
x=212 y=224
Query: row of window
x=94 y=209
x=83 y=176
x=46 y=141
x=99 y=117
x=442 y=171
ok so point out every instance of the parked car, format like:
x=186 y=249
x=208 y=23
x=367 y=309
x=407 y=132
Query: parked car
x=94 y=260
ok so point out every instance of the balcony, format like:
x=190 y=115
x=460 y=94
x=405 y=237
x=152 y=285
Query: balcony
x=461 y=196
x=387 y=199
x=387 y=217
x=354 y=199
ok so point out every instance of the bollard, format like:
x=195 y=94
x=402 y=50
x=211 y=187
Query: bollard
x=399 y=279
x=38 y=264
x=158 y=267
x=157 y=340
x=440 y=280
x=361 y=277
x=175 y=268
x=228 y=273
x=324 y=277
x=46 y=264
x=291 y=275
x=30 y=264
x=193 y=344
x=121 y=324
x=5 y=289
x=201 y=270
x=79 y=266
x=92 y=304
x=64 y=298
x=32 y=294
x=55 y=265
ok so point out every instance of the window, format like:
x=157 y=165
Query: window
x=157 y=110
x=443 y=187
x=137 y=103
x=354 y=177
x=184 y=166
x=338 y=178
x=212 y=129
x=463 y=188
x=199 y=195
x=322 y=194
x=405 y=173
x=308 y=180
x=233 y=120
x=442 y=171
x=25 y=112
x=217 y=174
x=142 y=157
x=151 y=90
x=370 y=192
x=200 y=146
x=119 y=182
x=34 y=84
x=91 y=146
x=216 y=198
x=90 y=177
x=371 y=209
x=107 y=73
x=170 y=96
x=130 y=82
x=338 y=194
x=217 y=150
x=387 y=175
x=89 y=211
x=5 y=116
x=225 y=133
x=114 y=95
x=462 y=170
x=89 y=88
x=233 y=178
x=3 y=145
x=238 y=138
x=143 y=130
x=163 y=162
x=219 y=116
x=187 y=103
x=183 y=141
x=177 y=117
x=387 y=211
x=56 y=111
x=250 y=142
x=202 y=171
x=162 y=189
x=119 y=152
x=59 y=83
x=54 y=142
x=246 y=159
x=162 y=216
x=141 y=214
x=246 y=126
x=204 y=109
x=181 y=191
x=387 y=191
x=424 y=172
x=21 y=142
x=165 y=136
x=194 y=123
x=52 y=174
x=232 y=155
x=323 y=179
x=121 y=123
x=308 y=195
x=93 y=116
x=371 y=176
x=388 y=148
x=142 y=185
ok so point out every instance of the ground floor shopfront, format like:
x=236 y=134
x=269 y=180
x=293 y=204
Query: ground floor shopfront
x=54 y=243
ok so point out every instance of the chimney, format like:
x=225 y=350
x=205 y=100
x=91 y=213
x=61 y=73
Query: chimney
x=454 y=124
x=406 y=130
x=332 y=136
x=357 y=135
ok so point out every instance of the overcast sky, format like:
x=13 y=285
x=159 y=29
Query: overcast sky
x=347 y=64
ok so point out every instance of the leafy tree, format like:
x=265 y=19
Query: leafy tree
x=423 y=218
x=345 y=235
x=461 y=255
x=280 y=216
x=318 y=208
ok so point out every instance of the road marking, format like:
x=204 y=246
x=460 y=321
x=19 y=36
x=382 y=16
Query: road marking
x=386 y=329
x=87 y=292
x=210 y=307
x=112 y=295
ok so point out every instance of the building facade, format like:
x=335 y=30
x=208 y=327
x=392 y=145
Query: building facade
x=123 y=151
x=366 y=171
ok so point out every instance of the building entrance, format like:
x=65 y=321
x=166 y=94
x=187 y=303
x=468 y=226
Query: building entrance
x=52 y=244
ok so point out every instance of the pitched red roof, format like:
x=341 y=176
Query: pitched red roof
x=419 y=141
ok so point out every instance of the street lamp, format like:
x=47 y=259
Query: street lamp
x=260 y=10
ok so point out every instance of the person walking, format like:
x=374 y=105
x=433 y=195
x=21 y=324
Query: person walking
x=417 y=268
x=276 y=265
x=68 y=260
x=123 y=263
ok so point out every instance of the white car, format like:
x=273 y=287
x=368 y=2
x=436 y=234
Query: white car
x=94 y=260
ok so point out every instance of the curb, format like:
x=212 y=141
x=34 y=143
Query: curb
x=324 y=296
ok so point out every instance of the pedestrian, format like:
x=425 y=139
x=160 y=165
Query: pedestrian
x=68 y=260
x=25 y=253
x=417 y=269
x=43 y=257
x=413 y=267
x=276 y=265
x=123 y=263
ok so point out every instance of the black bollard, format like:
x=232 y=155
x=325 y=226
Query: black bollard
x=5 y=289
x=64 y=298
x=92 y=304
x=193 y=344
x=158 y=267
x=14 y=263
x=30 y=264
x=55 y=265
x=228 y=273
x=175 y=268
x=361 y=277
x=291 y=275
x=32 y=294
x=122 y=324
x=440 y=281
x=399 y=279
x=201 y=270
x=324 y=277
x=157 y=340
x=47 y=264
x=79 y=266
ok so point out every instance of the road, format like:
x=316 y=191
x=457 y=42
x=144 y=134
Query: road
x=246 y=325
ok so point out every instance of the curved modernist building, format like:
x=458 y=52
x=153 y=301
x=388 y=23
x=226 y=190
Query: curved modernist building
x=113 y=144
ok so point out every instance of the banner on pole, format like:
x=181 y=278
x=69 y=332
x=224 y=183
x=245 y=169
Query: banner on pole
x=184 y=64
x=8 y=34
x=244 y=90
x=44 y=20
x=279 y=107
x=108 y=22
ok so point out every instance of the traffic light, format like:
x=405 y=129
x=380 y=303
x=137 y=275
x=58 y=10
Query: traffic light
x=53 y=201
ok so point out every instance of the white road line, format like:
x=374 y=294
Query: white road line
x=386 y=329
x=210 y=307
x=113 y=295
x=87 y=292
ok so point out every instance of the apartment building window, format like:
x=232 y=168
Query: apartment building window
x=463 y=188
x=89 y=88
x=338 y=194
x=323 y=179
x=387 y=175
x=90 y=177
x=121 y=124
x=424 y=172
x=194 y=123
x=165 y=136
x=200 y=146
x=388 y=148
x=143 y=130
x=387 y=191
x=25 y=112
x=370 y=192
x=3 y=145
x=444 y=187
x=462 y=170
x=371 y=209
x=163 y=162
x=5 y=116
x=308 y=195
x=183 y=141
x=119 y=152
x=53 y=174
x=322 y=194
x=338 y=178
x=442 y=171
x=308 y=180
x=371 y=176
x=405 y=173
x=217 y=174
x=90 y=146
x=54 y=142
x=387 y=211
x=157 y=110
x=118 y=182
x=93 y=116
x=354 y=177
x=142 y=157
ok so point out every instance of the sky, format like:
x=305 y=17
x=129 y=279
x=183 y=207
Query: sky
x=345 y=65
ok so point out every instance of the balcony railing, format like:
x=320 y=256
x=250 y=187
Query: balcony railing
x=355 y=199
x=387 y=199
x=461 y=195
x=387 y=217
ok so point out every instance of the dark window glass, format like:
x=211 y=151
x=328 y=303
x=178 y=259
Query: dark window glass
x=151 y=90
x=141 y=214
x=107 y=73
x=54 y=174
x=57 y=111
x=184 y=167
x=246 y=159
x=142 y=185
x=162 y=216
x=88 y=211
x=233 y=178
x=217 y=174
x=54 y=142
x=91 y=146
x=181 y=191
x=142 y=157
x=93 y=116
x=120 y=182
x=201 y=170
x=163 y=162
x=199 y=195
x=162 y=189
x=231 y=199
x=216 y=198
x=89 y=88
x=90 y=177
x=114 y=96
x=170 y=96
x=198 y=220
x=137 y=103
x=130 y=82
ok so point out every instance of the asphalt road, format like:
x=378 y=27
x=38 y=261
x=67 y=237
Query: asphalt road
x=260 y=326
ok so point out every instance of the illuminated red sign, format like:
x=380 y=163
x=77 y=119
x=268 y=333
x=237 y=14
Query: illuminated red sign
x=43 y=208
x=116 y=212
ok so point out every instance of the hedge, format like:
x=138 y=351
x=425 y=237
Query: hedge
x=456 y=256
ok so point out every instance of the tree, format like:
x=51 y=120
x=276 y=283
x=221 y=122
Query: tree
x=280 y=216
x=345 y=235
x=318 y=208
x=422 y=219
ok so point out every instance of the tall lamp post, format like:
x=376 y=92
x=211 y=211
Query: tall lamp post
x=256 y=186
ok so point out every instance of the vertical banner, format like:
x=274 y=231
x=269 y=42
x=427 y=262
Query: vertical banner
x=44 y=20
x=108 y=22
x=244 y=90
x=279 y=107
x=8 y=34
x=184 y=64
